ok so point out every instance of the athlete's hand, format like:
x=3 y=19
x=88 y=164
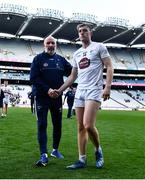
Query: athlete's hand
x=53 y=93
x=106 y=94
x=105 y=97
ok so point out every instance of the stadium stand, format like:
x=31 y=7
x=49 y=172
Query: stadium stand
x=17 y=51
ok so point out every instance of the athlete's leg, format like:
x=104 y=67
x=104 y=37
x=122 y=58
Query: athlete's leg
x=82 y=133
x=6 y=109
x=82 y=140
x=91 y=108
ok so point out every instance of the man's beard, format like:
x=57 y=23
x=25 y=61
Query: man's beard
x=50 y=51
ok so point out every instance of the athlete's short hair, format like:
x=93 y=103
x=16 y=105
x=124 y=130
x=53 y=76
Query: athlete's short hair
x=83 y=25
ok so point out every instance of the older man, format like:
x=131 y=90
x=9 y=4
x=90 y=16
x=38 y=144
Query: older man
x=47 y=71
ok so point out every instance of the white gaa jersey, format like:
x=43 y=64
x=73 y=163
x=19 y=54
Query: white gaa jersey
x=7 y=94
x=88 y=62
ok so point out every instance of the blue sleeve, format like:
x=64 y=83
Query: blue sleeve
x=35 y=77
x=68 y=68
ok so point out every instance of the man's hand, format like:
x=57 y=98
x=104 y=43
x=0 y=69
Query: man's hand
x=53 y=93
x=106 y=93
x=105 y=97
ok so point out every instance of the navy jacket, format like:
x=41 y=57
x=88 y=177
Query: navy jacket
x=47 y=72
x=70 y=95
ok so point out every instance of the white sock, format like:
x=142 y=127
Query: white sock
x=45 y=154
x=82 y=158
x=97 y=149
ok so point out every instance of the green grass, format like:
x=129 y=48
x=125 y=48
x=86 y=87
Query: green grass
x=122 y=136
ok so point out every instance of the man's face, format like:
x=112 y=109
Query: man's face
x=50 y=45
x=84 y=34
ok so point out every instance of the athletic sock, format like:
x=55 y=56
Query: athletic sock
x=97 y=149
x=82 y=158
x=54 y=150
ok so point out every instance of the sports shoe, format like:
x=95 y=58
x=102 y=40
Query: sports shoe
x=55 y=153
x=43 y=161
x=77 y=165
x=99 y=158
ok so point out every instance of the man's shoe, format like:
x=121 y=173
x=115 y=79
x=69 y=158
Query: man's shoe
x=99 y=158
x=43 y=161
x=55 y=153
x=77 y=165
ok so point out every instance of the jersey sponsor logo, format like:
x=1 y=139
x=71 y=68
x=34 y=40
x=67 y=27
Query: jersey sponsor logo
x=84 y=63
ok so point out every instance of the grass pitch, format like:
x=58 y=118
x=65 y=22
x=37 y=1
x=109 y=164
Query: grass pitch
x=122 y=135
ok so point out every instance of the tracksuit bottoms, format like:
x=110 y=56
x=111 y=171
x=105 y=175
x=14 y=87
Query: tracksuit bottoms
x=43 y=105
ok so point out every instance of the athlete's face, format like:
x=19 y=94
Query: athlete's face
x=84 y=34
x=50 y=45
